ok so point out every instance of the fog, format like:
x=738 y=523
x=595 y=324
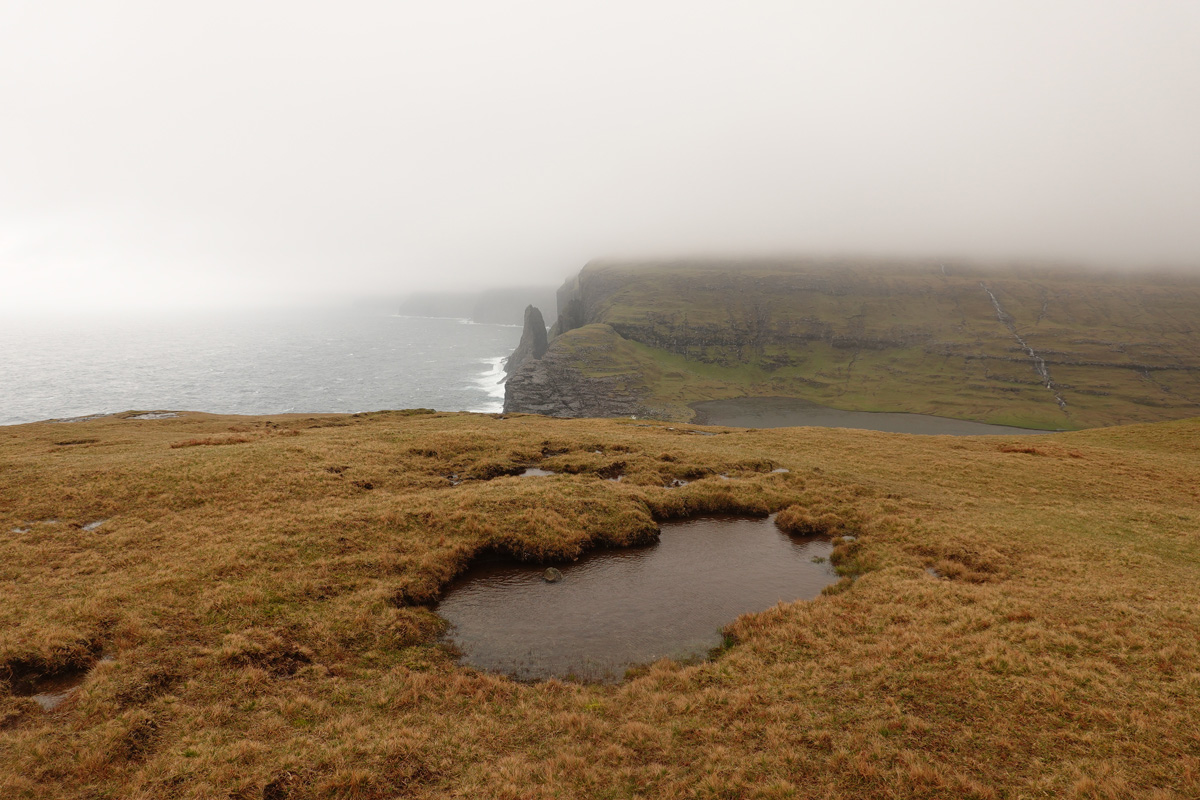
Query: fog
x=157 y=155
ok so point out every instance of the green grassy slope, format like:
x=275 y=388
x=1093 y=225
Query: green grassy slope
x=918 y=337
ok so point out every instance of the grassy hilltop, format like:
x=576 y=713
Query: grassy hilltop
x=253 y=610
x=937 y=338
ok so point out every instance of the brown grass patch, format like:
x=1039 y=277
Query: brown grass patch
x=268 y=621
x=212 y=441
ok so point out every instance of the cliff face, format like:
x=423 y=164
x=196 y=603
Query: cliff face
x=533 y=342
x=1032 y=346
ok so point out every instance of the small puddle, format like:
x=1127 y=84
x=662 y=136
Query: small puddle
x=52 y=691
x=156 y=415
x=91 y=526
x=616 y=608
x=533 y=472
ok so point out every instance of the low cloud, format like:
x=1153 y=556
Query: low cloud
x=288 y=152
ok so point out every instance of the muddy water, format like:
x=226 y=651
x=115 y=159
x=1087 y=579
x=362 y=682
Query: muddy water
x=534 y=472
x=617 y=608
x=52 y=691
x=786 y=412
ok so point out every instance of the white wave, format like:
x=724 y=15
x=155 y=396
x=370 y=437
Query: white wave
x=491 y=381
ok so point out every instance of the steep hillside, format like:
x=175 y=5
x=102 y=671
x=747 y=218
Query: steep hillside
x=1033 y=346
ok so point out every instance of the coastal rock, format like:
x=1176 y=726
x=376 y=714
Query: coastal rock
x=588 y=372
x=533 y=342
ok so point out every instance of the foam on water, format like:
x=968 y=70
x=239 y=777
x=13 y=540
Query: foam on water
x=491 y=381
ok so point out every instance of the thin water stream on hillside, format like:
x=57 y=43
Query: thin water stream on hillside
x=617 y=608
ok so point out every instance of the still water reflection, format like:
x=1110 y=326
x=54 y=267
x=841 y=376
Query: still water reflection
x=617 y=608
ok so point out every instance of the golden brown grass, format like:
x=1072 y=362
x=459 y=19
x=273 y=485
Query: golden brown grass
x=261 y=606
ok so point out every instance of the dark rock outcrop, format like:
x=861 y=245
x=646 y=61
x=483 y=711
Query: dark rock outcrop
x=559 y=384
x=533 y=342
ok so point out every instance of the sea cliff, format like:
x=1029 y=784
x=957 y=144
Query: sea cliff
x=1035 y=346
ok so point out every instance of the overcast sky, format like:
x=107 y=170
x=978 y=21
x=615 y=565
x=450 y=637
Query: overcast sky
x=161 y=153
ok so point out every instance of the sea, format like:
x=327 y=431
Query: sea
x=249 y=362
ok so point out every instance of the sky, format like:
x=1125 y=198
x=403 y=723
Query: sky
x=174 y=155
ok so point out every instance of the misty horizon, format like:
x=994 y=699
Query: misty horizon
x=229 y=156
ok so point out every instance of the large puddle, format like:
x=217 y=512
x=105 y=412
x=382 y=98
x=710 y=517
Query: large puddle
x=617 y=608
x=787 y=412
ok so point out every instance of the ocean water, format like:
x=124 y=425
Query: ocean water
x=263 y=362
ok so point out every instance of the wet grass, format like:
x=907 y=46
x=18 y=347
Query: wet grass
x=263 y=609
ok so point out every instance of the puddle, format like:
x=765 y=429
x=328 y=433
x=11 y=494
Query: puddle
x=617 y=608
x=676 y=483
x=156 y=415
x=91 y=526
x=21 y=530
x=534 y=472
x=52 y=691
x=934 y=573
x=780 y=470
x=782 y=412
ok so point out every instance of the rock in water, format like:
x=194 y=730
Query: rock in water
x=552 y=575
x=533 y=342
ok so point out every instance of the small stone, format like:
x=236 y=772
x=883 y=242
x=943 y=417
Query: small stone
x=552 y=575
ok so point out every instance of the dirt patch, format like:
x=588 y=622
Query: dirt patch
x=266 y=651
x=1053 y=452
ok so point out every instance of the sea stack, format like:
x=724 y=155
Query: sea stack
x=533 y=340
